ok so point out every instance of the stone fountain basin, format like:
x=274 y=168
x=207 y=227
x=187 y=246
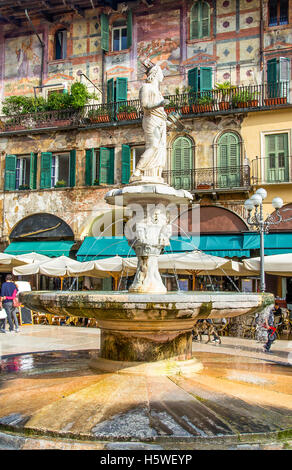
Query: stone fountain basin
x=145 y=327
x=131 y=307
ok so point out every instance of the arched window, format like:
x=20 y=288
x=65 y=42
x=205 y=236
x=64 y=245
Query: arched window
x=61 y=44
x=200 y=20
x=228 y=161
x=182 y=163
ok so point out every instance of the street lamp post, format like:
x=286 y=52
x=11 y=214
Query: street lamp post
x=256 y=220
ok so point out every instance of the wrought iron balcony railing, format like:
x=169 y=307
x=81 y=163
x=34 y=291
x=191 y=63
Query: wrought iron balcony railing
x=276 y=168
x=238 y=99
x=216 y=178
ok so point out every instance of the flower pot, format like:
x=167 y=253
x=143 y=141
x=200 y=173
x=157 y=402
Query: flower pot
x=273 y=101
x=169 y=110
x=195 y=108
x=205 y=108
x=224 y=105
x=203 y=186
x=100 y=118
x=253 y=103
x=185 y=109
x=242 y=104
x=125 y=116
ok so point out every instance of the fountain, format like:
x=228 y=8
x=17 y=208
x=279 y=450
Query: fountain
x=145 y=332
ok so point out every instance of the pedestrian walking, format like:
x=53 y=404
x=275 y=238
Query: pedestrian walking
x=8 y=294
x=269 y=324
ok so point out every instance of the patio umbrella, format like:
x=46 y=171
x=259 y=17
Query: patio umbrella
x=55 y=267
x=279 y=265
x=8 y=262
x=33 y=257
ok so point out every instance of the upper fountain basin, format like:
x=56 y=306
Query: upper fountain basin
x=147 y=193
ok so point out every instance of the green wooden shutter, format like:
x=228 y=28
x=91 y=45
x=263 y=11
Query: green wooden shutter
x=110 y=90
x=277 y=164
x=33 y=170
x=205 y=78
x=46 y=170
x=111 y=178
x=205 y=20
x=182 y=163
x=194 y=22
x=121 y=89
x=193 y=79
x=126 y=163
x=10 y=170
x=106 y=165
x=89 y=158
x=284 y=76
x=272 y=78
x=228 y=161
x=104 y=23
x=72 y=168
x=129 y=28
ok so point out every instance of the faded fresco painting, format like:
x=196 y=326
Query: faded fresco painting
x=22 y=64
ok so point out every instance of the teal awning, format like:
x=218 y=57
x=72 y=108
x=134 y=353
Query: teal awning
x=48 y=248
x=221 y=245
x=237 y=245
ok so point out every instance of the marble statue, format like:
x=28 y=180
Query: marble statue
x=153 y=160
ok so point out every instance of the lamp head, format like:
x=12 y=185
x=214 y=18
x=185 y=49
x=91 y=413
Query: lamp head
x=262 y=192
x=257 y=199
x=249 y=205
x=277 y=203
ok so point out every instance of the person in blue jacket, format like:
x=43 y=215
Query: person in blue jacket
x=8 y=293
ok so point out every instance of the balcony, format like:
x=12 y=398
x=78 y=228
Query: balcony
x=213 y=102
x=274 y=169
x=208 y=180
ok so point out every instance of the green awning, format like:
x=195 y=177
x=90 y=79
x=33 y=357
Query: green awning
x=275 y=243
x=48 y=248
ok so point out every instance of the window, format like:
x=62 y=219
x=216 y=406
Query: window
x=119 y=37
x=200 y=79
x=58 y=169
x=99 y=166
x=276 y=161
x=228 y=173
x=136 y=153
x=278 y=12
x=121 y=33
x=61 y=44
x=200 y=20
x=20 y=172
x=182 y=163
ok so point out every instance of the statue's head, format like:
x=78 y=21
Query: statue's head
x=152 y=71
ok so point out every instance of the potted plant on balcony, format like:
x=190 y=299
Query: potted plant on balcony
x=23 y=187
x=61 y=184
x=185 y=105
x=224 y=94
x=205 y=103
x=203 y=185
x=170 y=107
x=100 y=114
x=276 y=100
x=126 y=113
x=244 y=99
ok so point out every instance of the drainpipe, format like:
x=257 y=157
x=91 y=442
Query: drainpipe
x=42 y=46
x=261 y=37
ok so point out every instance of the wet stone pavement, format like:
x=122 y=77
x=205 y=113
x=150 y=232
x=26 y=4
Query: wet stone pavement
x=50 y=398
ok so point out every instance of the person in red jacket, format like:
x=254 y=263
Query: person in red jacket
x=8 y=293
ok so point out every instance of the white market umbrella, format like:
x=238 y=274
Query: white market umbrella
x=280 y=265
x=8 y=262
x=55 y=267
x=33 y=257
